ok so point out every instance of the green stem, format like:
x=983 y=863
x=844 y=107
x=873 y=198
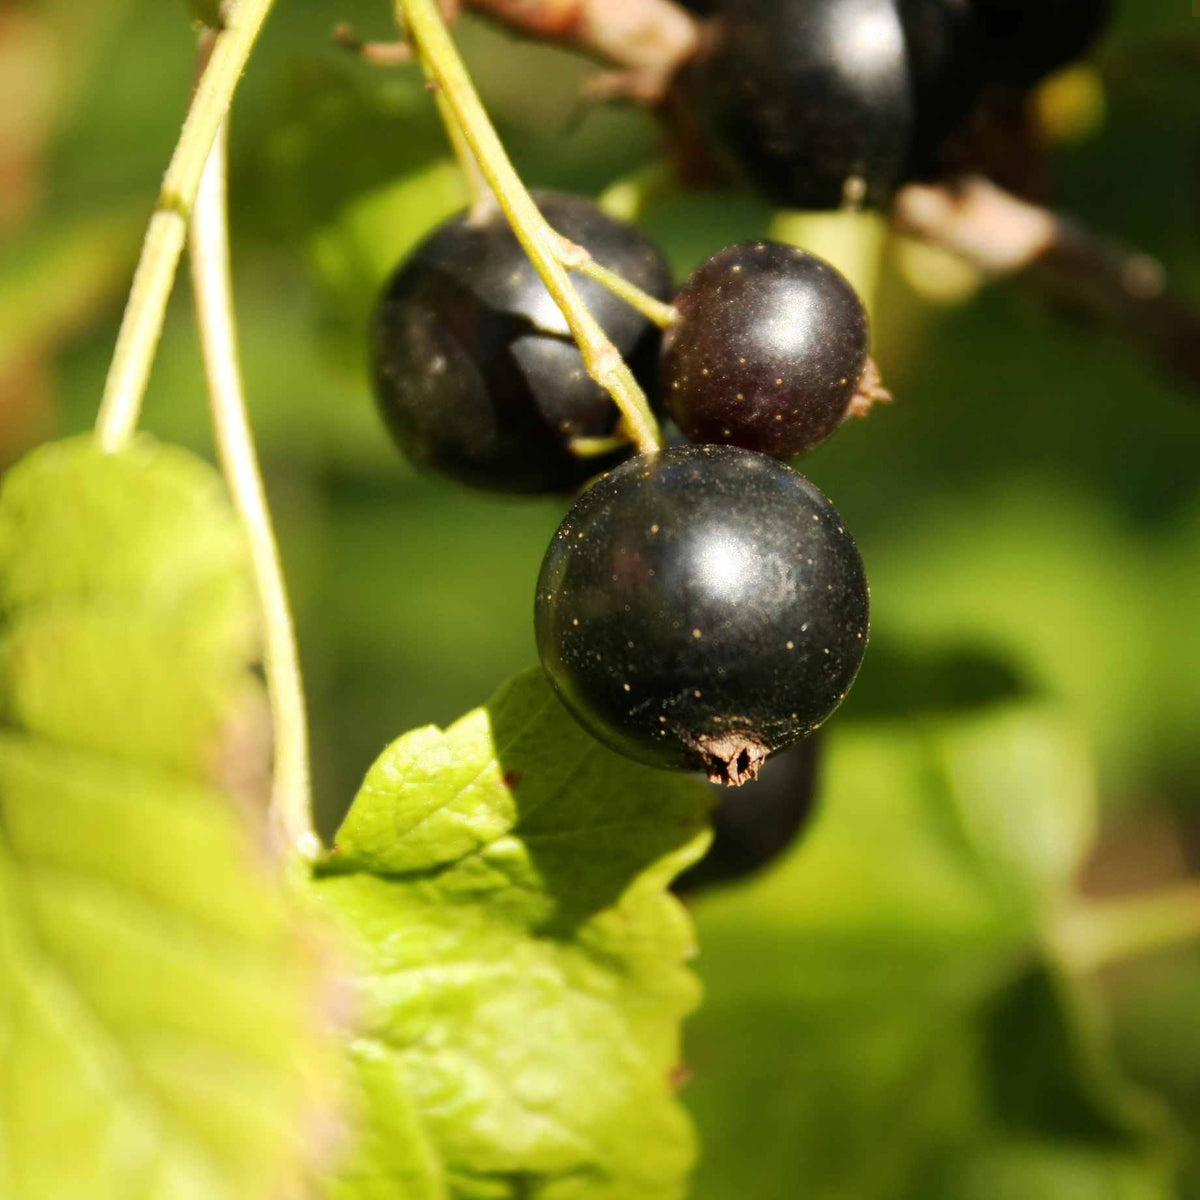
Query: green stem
x=1101 y=932
x=142 y=324
x=595 y=447
x=653 y=309
x=544 y=247
x=479 y=194
x=478 y=191
x=291 y=800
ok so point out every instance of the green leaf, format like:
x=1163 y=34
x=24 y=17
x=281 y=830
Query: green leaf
x=524 y=977
x=160 y=998
x=881 y=1011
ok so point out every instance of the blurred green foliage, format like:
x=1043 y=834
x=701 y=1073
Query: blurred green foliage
x=1029 y=511
x=163 y=1004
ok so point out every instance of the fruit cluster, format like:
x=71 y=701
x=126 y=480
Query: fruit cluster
x=822 y=103
x=699 y=608
x=704 y=606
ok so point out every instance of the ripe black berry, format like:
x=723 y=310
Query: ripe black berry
x=946 y=69
x=756 y=824
x=1027 y=39
x=700 y=608
x=475 y=370
x=769 y=350
x=831 y=102
x=813 y=99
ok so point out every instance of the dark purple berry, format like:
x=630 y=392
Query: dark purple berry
x=759 y=822
x=826 y=103
x=813 y=98
x=946 y=67
x=700 y=608
x=769 y=350
x=475 y=371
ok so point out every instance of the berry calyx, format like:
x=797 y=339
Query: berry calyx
x=474 y=367
x=701 y=608
x=760 y=823
x=769 y=351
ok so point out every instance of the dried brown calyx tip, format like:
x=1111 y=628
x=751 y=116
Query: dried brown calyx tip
x=870 y=392
x=732 y=759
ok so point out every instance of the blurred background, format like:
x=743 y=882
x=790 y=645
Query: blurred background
x=970 y=978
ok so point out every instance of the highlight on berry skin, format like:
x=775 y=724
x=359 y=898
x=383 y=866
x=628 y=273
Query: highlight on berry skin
x=769 y=352
x=475 y=371
x=701 y=608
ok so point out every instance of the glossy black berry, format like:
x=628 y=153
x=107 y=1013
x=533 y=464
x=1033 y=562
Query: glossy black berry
x=1027 y=39
x=769 y=350
x=759 y=822
x=474 y=369
x=946 y=69
x=813 y=98
x=700 y=608
x=825 y=103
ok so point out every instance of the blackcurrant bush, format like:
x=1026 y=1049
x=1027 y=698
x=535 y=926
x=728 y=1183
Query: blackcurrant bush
x=761 y=821
x=813 y=98
x=1027 y=39
x=700 y=608
x=769 y=349
x=474 y=368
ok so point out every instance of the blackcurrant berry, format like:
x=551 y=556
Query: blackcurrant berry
x=761 y=821
x=1027 y=39
x=813 y=98
x=475 y=371
x=700 y=608
x=946 y=68
x=769 y=349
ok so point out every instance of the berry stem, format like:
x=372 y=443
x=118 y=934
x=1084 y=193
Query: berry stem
x=291 y=800
x=662 y=315
x=1102 y=932
x=545 y=248
x=479 y=193
x=141 y=326
x=595 y=447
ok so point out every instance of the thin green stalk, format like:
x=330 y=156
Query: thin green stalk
x=653 y=309
x=479 y=194
x=146 y=308
x=1102 y=932
x=291 y=800
x=603 y=363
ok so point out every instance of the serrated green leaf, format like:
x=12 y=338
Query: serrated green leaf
x=160 y=1017
x=525 y=978
x=881 y=1008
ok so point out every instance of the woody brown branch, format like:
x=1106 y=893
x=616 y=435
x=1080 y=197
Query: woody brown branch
x=1007 y=237
x=646 y=41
